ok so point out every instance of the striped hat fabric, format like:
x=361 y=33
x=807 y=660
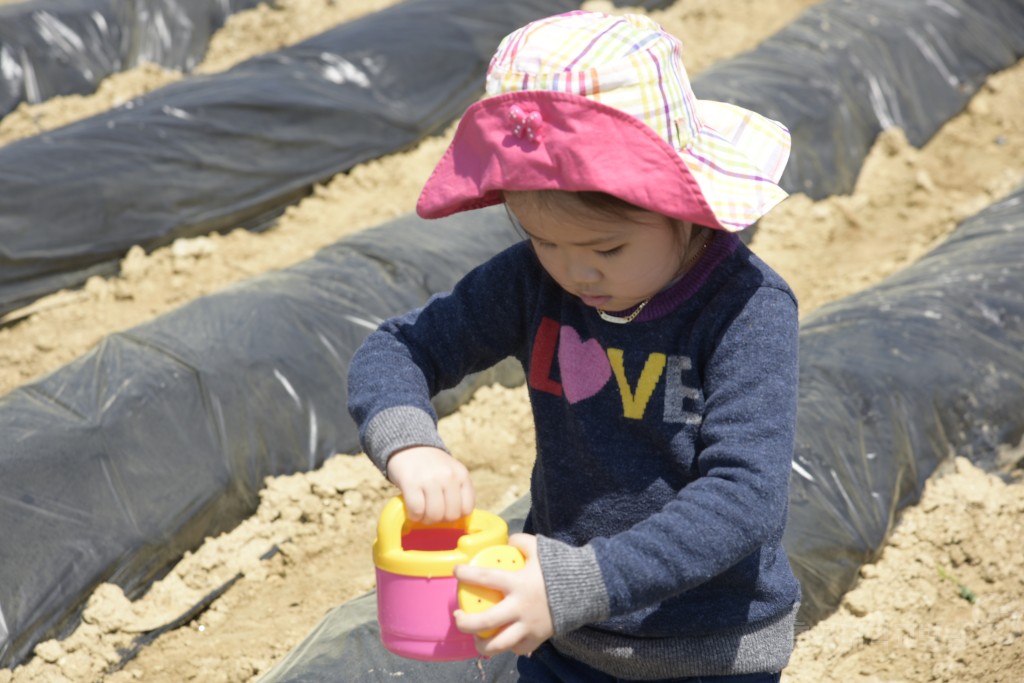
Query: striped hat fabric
x=599 y=102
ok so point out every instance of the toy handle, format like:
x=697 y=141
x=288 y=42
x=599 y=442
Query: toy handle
x=394 y=522
x=473 y=533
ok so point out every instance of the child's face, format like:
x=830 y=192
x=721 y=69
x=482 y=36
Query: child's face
x=609 y=262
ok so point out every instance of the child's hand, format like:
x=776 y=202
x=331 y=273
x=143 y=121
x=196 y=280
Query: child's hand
x=436 y=487
x=522 y=617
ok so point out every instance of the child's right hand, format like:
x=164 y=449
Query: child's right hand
x=435 y=486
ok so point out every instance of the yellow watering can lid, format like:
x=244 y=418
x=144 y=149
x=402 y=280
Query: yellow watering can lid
x=481 y=529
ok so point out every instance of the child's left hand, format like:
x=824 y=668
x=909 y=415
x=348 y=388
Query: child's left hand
x=522 y=617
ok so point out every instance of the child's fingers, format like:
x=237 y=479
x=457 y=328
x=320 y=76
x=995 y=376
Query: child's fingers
x=453 y=497
x=452 y=483
x=500 y=580
x=525 y=543
x=482 y=623
x=468 y=497
x=415 y=503
x=433 y=484
x=426 y=505
x=443 y=502
x=513 y=637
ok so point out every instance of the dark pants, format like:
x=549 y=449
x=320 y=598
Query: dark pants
x=546 y=665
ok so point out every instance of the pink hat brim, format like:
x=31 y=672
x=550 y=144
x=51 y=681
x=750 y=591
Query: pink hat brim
x=581 y=145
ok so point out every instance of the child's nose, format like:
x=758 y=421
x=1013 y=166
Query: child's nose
x=583 y=272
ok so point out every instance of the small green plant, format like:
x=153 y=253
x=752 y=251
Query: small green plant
x=965 y=592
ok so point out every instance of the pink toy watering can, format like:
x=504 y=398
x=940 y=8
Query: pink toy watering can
x=417 y=591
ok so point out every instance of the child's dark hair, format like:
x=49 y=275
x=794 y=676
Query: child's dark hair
x=601 y=203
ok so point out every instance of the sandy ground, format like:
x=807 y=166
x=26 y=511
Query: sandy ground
x=944 y=602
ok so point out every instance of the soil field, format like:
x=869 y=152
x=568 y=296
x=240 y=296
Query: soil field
x=944 y=602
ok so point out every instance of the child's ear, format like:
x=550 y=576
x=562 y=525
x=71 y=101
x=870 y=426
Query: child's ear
x=684 y=231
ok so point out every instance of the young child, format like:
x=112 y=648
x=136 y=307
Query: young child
x=660 y=354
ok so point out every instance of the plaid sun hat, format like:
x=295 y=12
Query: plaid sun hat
x=586 y=101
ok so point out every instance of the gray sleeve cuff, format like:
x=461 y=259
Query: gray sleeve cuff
x=397 y=428
x=572 y=577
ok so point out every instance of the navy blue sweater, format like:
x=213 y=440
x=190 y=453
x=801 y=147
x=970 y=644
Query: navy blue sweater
x=664 y=447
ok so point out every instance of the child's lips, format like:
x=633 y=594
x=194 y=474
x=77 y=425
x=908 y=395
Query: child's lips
x=595 y=300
